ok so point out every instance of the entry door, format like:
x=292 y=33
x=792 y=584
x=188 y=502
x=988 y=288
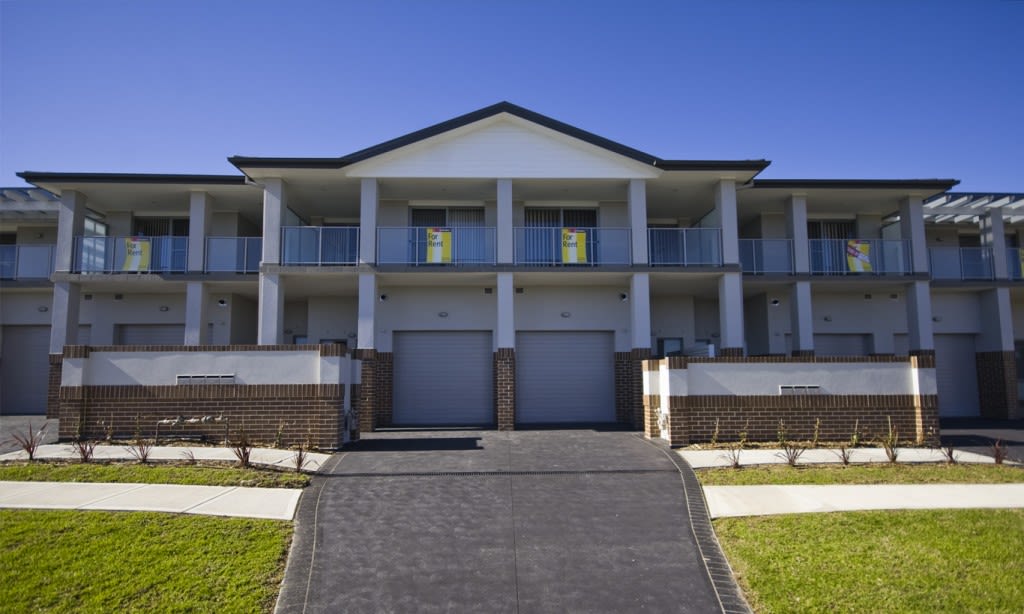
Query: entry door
x=443 y=378
x=956 y=373
x=565 y=377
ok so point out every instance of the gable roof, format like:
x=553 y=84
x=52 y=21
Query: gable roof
x=484 y=113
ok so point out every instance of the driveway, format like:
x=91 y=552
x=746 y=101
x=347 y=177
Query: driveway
x=22 y=425
x=486 y=521
x=978 y=434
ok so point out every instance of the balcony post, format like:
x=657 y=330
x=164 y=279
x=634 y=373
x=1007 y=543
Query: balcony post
x=995 y=360
x=366 y=326
x=919 y=318
x=271 y=310
x=506 y=233
x=199 y=207
x=801 y=319
x=912 y=231
x=637 y=204
x=369 y=200
x=197 y=297
x=275 y=202
x=730 y=314
x=70 y=224
x=993 y=236
x=796 y=230
x=64 y=315
x=725 y=208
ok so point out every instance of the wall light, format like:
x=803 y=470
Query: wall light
x=566 y=314
x=623 y=297
x=383 y=297
x=828 y=318
x=775 y=302
x=222 y=303
x=442 y=314
x=43 y=309
x=164 y=308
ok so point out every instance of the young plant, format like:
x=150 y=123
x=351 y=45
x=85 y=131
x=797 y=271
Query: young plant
x=844 y=453
x=140 y=449
x=189 y=456
x=242 y=449
x=714 y=434
x=742 y=443
x=781 y=434
x=817 y=432
x=998 y=451
x=84 y=448
x=791 y=452
x=732 y=454
x=855 y=436
x=890 y=441
x=301 y=458
x=949 y=453
x=279 y=435
x=30 y=440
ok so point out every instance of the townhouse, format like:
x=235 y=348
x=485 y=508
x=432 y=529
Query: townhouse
x=507 y=270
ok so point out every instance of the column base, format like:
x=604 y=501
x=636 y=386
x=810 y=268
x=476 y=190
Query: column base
x=505 y=389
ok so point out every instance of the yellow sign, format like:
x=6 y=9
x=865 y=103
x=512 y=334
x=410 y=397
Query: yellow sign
x=136 y=254
x=439 y=245
x=858 y=256
x=574 y=246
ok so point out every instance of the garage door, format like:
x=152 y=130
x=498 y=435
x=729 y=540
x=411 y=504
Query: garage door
x=151 y=334
x=841 y=345
x=565 y=377
x=957 y=375
x=443 y=378
x=24 y=369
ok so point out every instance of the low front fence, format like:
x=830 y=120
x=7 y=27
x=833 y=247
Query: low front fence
x=273 y=395
x=723 y=400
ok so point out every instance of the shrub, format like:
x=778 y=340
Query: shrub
x=30 y=440
x=242 y=449
x=998 y=451
x=889 y=442
x=84 y=448
x=844 y=454
x=791 y=452
x=949 y=454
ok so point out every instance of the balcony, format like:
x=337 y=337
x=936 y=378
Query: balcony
x=233 y=254
x=130 y=255
x=319 y=245
x=860 y=257
x=573 y=247
x=963 y=263
x=760 y=256
x=1014 y=267
x=448 y=246
x=26 y=261
x=684 y=246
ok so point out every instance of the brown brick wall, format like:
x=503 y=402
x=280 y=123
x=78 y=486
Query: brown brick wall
x=385 y=388
x=635 y=415
x=623 y=386
x=307 y=411
x=367 y=390
x=53 y=385
x=505 y=389
x=694 y=418
x=997 y=384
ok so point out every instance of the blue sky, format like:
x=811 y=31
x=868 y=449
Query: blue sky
x=858 y=89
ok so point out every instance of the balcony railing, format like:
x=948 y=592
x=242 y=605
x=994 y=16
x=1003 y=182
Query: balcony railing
x=436 y=246
x=1013 y=263
x=130 y=255
x=319 y=245
x=961 y=262
x=572 y=246
x=233 y=254
x=860 y=257
x=759 y=256
x=26 y=261
x=684 y=246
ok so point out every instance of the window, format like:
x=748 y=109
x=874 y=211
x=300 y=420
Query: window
x=670 y=346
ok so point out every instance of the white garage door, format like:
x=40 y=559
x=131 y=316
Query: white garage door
x=150 y=334
x=24 y=369
x=841 y=345
x=443 y=378
x=565 y=377
x=957 y=374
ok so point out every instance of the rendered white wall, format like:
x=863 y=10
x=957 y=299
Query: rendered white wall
x=333 y=318
x=672 y=316
x=956 y=312
x=417 y=308
x=162 y=368
x=746 y=379
x=591 y=308
x=296 y=319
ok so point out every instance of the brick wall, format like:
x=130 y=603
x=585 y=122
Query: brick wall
x=635 y=413
x=623 y=386
x=300 y=411
x=385 y=388
x=505 y=389
x=997 y=384
x=53 y=386
x=367 y=390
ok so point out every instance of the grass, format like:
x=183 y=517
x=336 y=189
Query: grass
x=75 y=561
x=862 y=474
x=150 y=474
x=905 y=561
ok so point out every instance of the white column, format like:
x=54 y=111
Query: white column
x=367 y=306
x=505 y=231
x=796 y=229
x=993 y=236
x=996 y=321
x=199 y=207
x=506 y=326
x=640 y=310
x=725 y=208
x=730 y=310
x=275 y=201
x=271 y=310
x=197 y=298
x=637 y=204
x=919 y=316
x=801 y=317
x=70 y=223
x=64 y=316
x=912 y=230
x=369 y=200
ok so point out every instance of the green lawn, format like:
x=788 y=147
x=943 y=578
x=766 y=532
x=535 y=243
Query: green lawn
x=150 y=474
x=863 y=474
x=75 y=561
x=905 y=561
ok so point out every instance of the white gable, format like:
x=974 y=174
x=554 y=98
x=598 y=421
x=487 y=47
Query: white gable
x=503 y=146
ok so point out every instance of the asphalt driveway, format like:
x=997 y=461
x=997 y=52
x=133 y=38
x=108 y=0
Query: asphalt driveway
x=485 y=521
